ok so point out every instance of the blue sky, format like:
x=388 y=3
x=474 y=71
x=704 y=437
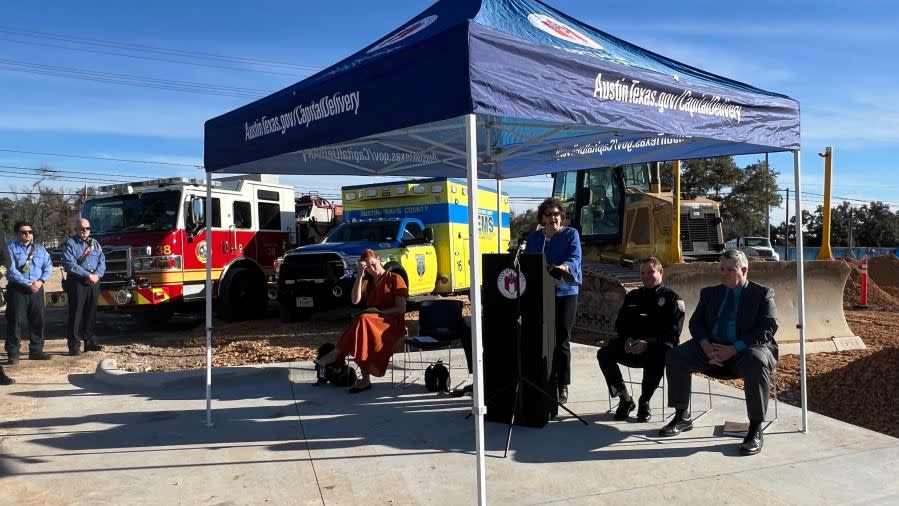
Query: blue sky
x=836 y=58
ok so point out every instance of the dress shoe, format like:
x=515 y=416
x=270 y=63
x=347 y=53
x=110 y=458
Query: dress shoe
x=752 y=443
x=563 y=394
x=644 y=414
x=624 y=409
x=92 y=346
x=4 y=379
x=359 y=388
x=12 y=360
x=74 y=352
x=39 y=355
x=676 y=426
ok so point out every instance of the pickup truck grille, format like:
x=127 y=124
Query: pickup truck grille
x=313 y=266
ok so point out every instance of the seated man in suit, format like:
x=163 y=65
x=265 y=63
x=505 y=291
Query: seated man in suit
x=649 y=324
x=733 y=332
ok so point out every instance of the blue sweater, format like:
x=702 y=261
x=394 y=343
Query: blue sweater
x=563 y=248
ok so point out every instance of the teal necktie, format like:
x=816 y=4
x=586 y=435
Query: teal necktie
x=724 y=316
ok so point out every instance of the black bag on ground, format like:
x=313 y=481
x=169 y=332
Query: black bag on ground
x=437 y=377
x=336 y=373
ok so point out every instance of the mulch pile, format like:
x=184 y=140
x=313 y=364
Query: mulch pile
x=860 y=387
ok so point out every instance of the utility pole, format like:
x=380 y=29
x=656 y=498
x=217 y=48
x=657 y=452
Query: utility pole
x=850 y=228
x=787 y=227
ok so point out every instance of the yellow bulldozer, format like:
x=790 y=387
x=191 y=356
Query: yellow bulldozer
x=623 y=215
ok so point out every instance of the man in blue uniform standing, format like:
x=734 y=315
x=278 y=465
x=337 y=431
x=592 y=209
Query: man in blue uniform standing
x=29 y=269
x=85 y=264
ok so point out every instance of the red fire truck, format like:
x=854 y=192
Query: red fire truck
x=154 y=237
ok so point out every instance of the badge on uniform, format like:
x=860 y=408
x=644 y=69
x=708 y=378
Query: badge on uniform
x=661 y=301
x=681 y=306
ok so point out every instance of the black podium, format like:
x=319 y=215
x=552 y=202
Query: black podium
x=538 y=339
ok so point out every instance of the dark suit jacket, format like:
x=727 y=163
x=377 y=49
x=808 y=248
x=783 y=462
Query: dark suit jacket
x=756 y=315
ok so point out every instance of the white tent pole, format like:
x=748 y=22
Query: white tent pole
x=474 y=291
x=499 y=216
x=800 y=285
x=209 y=249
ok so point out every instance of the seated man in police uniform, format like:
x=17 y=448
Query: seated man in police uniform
x=649 y=324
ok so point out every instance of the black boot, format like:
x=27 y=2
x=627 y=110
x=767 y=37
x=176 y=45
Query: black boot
x=4 y=379
x=677 y=425
x=92 y=346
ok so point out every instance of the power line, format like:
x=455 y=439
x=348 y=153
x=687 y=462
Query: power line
x=53 y=172
x=110 y=53
x=100 y=158
x=128 y=80
x=153 y=49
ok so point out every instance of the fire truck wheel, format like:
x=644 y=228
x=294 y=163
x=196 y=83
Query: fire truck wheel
x=242 y=296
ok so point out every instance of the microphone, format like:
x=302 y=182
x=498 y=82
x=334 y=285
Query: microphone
x=522 y=243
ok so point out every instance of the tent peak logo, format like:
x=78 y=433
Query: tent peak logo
x=406 y=32
x=560 y=30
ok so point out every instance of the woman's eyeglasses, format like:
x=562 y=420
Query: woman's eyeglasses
x=551 y=214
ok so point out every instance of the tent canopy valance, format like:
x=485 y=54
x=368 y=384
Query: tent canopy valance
x=550 y=93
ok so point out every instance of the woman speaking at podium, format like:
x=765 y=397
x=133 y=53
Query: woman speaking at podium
x=562 y=248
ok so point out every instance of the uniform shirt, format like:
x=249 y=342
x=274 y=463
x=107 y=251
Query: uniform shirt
x=39 y=268
x=563 y=248
x=94 y=261
x=653 y=314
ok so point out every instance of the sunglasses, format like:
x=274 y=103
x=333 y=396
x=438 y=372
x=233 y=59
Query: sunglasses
x=26 y=232
x=551 y=214
x=84 y=228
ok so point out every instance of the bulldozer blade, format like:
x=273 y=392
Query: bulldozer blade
x=825 y=322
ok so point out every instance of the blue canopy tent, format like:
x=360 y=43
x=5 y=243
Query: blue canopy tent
x=499 y=89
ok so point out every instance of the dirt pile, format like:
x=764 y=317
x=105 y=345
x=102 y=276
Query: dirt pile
x=877 y=296
x=885 y=270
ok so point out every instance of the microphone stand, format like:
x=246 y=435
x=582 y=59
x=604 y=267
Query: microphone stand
x=516 y=263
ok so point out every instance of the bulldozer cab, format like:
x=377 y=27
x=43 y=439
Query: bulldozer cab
x=594 y=202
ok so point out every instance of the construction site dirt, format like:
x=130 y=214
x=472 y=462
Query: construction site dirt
x=858 y=386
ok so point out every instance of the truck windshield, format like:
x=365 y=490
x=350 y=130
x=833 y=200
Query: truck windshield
x=760 y=242
x=145 y=212
x=372 y=231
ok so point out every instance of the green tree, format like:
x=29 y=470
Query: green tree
x=522 y=224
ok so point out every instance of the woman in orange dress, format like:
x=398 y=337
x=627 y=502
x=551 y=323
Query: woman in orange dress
x=375 y=332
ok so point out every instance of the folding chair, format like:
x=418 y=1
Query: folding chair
x=718 y=373
x=439 y=324
x=630 y=392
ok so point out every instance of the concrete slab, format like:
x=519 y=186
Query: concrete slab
x=278 y=439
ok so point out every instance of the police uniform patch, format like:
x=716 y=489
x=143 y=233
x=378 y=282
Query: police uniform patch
x=681 y=306
x=661 y=301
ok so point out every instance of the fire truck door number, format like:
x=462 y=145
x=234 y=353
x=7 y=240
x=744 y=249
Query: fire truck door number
x=164 y=250
x=304 y=301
